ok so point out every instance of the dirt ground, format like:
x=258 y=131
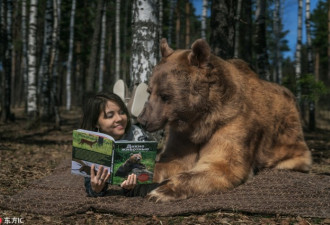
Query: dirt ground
x=30 y=154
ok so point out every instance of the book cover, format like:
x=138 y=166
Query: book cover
x=121 y=158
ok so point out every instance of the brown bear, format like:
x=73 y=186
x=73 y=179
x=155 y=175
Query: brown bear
x=223 y=123
x=133 y=162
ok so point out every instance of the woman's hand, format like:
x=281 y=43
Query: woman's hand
x=130 y=182
x=98 y=180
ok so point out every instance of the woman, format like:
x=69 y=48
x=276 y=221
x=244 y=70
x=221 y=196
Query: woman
x=107 y=113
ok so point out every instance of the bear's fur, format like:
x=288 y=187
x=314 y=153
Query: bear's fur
x=134 y=161
x=223 y=123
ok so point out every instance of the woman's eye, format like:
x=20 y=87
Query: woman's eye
x=122 y=113
x=109 y=115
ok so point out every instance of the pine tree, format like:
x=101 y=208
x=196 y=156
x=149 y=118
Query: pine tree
x=102 y=47
x=237 y=23
x=222 y=25
x=170 y=26
x=6 y=113
x=261 y=41
x=24 y=67
x=95 y=43
x=43 y=84
x=310 y=64
x=298 y=50
x=117 y=73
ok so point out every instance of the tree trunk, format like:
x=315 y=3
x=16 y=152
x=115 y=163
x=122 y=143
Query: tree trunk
x=55 y=37
x=222 y=26
x=187 y=24
x=95 y=43
x=329 y=41
x=69 y=63
x=298 y=51
x=170 y=22
x=160 y=25
x=54 y=70
x=24 y=67
x=203 y=22
x=32 y=108
x=247 y=28
x=2 y=51
x=117 y=73
x=102 y=47
x=261 y=41
x=237 y=23
x=125 y=47
x=44 y=74
x=310 y=64
x=53 y=63
x=6 y=114
x=145 y=40
x=177 y=25
x=277 y=76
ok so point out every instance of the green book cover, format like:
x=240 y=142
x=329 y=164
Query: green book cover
x=121 y=158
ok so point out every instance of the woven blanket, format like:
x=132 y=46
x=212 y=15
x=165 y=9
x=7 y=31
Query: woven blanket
x=269 y=192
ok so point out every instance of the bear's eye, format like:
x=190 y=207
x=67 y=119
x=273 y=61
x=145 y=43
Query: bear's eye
x=164 y=98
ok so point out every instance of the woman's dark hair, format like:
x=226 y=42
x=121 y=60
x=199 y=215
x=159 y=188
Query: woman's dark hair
x=95 y=105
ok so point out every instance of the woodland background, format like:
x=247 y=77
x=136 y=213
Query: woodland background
x=54 y=53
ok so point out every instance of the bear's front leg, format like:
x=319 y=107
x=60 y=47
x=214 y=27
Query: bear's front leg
x=203 y=180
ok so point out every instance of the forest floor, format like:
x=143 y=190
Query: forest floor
x=30 y=154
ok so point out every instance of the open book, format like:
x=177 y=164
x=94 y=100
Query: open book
x=121 y=158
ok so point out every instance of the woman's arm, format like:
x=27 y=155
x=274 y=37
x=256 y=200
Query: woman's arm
x=96 y=185
x=141 y=190
x=90 y=191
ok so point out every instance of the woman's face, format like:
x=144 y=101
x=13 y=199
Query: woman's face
x=113 y=121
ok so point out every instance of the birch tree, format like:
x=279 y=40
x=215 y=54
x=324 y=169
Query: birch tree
x=32 y=108
x=203 y=21
x=298 y=50
x=102 y=47
x=69 y=63
x=117 y=73
x=261 y=41
x=145 y=40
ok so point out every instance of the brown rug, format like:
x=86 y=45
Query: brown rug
x=269 y=192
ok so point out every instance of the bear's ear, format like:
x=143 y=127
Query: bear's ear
x=165 y=49
x=200 y=53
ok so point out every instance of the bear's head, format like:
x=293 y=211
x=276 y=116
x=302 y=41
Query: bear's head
x=135 y=158
x=179 y=87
